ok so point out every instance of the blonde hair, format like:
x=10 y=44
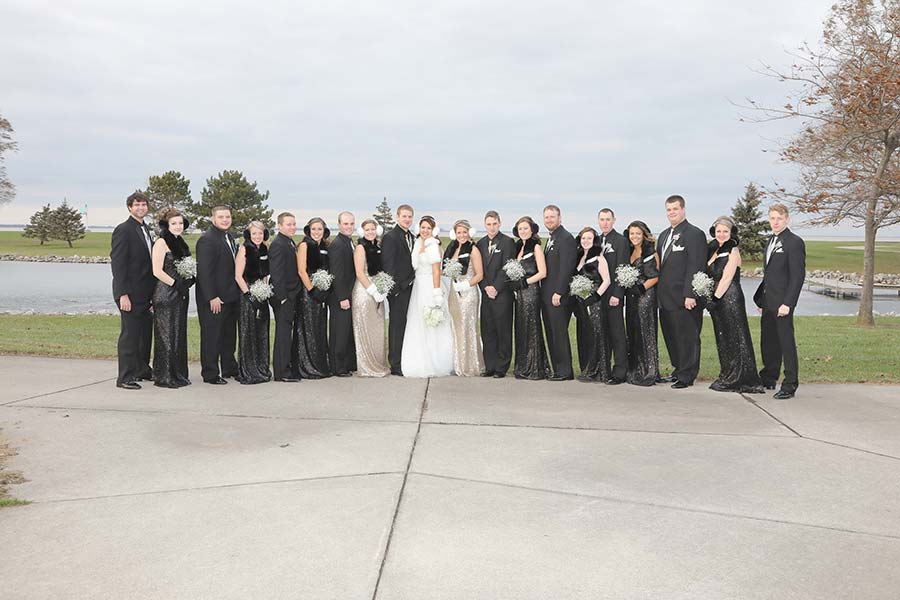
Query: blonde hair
x=781 y=209
x=258 y=225
x=724 y=220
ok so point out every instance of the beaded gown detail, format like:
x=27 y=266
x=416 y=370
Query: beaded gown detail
x=641 y=322
x=737 y=359
x=590 y=326
x=531 y=355
x=170 y=364
x=253 y=323
x=311 y=357
x=468 y=358
x=368 y=321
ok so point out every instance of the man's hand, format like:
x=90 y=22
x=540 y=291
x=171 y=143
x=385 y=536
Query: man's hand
x=491 y=291
x=215 y=305
x=345 y=304
x=124 y=303
x=759 y=310
x=784 y=310
x=613 y=301
x=690 y=303
x=555 y=299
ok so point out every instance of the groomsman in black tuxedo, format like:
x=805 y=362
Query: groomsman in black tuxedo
x=218 y=299
x=340 y=322
x=396 y=252
x=561 y=260
x=615 y=251
x=682 y=251
x=285 y=280
x=784 y=271
x=133 y=284
x=496 y=298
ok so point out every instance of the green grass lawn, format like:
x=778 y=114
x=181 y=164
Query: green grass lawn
x=93 y=244
x=824 y=344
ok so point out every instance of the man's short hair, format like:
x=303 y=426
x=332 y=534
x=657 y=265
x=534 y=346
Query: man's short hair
x=552 y=207
x=219 y=207
x=675 y=198
x=491 y=214
x=283 y=216
x=137 y=197
x=609 y=210
x=781 y=209
x=342 y=213
x=405 y=207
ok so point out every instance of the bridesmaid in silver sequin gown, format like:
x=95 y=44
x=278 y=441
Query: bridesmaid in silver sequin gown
x=367 y=305
x=464 y=303
x=531 y=354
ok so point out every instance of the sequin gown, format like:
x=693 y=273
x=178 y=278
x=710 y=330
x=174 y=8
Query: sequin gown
x=253 y=324
x=468 y=359
x=368 y=322
x=737 y=359
x=641 y=322
x=531 y=355
x=590 y=326
x=311 y=357
x=170 y=364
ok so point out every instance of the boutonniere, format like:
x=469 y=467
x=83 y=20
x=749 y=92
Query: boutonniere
x=677 y=248
x=550 y=245
x=676 y=237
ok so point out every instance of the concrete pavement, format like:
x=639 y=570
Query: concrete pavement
x=448 y=489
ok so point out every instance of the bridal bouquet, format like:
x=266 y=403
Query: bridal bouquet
x=702 y=284
x=261 y=291
x=514 y=270
x=186 y=267
x=452 y=268
x=322 y=280
x=581 y=286
x=627 y=276
x=383 y=282
x=434 y=315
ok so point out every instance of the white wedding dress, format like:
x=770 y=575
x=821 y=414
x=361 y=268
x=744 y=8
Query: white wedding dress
x=427 y=351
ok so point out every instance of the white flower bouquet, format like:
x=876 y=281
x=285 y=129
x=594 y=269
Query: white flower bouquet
x=514 y=270
x=322 y=280
x=187 y=267
x=434 y=315
x=627 y=275
x=452 y=268
x=261 y=291
x=383 y=282
x=581 y=286
x=702 y=284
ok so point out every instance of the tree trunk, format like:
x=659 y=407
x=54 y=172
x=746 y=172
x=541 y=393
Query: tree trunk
x=70 y=245
x=865 y=316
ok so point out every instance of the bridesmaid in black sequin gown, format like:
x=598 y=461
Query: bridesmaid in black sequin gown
x=641 y=316
x=737 y=359
x=590 y=313
x=531 y=355
x=251 y=265
x=170 y=303
x=311 y=357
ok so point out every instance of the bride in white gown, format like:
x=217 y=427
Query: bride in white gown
x=427 y=349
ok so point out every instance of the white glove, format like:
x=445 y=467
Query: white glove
x=372 y=291
x=379 y=298
x=461 y=286
x=436 y=297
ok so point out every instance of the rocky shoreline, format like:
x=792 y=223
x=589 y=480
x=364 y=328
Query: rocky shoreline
x=52 y=258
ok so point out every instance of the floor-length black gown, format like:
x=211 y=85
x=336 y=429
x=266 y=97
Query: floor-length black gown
x=311 y=342
x=170 y=364
x=253 y=321
x=641 y=322
x=590 y=323
x=737 y=359
x=531 y=356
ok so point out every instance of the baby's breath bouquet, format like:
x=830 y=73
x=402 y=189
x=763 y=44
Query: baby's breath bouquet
x=322 y=280
x=187 y=267
x=434 y=315
x=702 y=284
x=383 y=282
x=261 y=291
x=514 y=270
x=452 y=268
x=627 y=275
x=581 y=286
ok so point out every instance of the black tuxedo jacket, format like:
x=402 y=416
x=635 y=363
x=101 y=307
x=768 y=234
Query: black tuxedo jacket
x=616 y=253
x=783 y=273
x=215 y=267
x=396 y=259
x=132 y=268
x=686 y=257
x=340 y=263
x=504 y=250
x=560 y=254
x=283 y=274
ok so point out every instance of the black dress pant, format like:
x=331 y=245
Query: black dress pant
x=556 y=327
x=496 y=331
x=285 y=313
x=681 y=330
x=778 y=344
x=618 y=345
x=135 y=340
x=341 y=346
x=218 y=338
x=398 y=305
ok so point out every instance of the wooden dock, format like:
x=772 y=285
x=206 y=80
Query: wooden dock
x=842 y=289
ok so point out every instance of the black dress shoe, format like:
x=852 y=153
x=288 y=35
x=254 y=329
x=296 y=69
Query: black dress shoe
x=129 y=385
x=216 y=381
x=288 y=380
x=488 y=374
x=769 y=386
x=397 y=372
x=146 y=377
x=344 y=374
x=680 y=385
x=614 y=381
x=783 y=394
x=665 y=379
x=555 y=377
x=499 y=375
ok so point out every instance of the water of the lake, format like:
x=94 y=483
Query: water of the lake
x=51 y=288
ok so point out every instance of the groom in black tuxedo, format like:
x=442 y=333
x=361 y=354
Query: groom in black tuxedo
x=340 y=322
x=496 y=297
x=285 y=280
x=133 y=284
x=784 y=271
x=396 y=252
x=682 y=252
x=615 y=251
x=561 y=260
x=218 y=298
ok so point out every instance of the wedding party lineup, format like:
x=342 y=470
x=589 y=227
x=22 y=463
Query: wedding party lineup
x=472 y=309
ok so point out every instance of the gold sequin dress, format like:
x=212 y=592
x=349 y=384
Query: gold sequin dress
x=468 y=359
x=368 y=334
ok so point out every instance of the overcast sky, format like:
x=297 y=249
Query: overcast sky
x=454 y=107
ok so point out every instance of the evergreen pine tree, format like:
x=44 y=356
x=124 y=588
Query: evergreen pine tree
x=169 y=190
x=66 y=224
x=752 y=228
x=383 y=215
x=39 y=225
x=232 y=189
